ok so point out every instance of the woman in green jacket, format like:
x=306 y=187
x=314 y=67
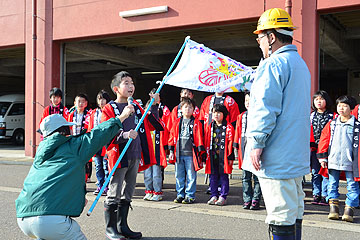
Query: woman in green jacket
x=54 y=190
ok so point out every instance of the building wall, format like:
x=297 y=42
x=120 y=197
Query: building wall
x=331 y=5
x=82 y=18
x=12 y=23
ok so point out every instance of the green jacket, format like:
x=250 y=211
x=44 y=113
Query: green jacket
x=55 y=184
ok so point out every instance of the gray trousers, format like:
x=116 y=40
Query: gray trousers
x=122 y=183
x=54 y=227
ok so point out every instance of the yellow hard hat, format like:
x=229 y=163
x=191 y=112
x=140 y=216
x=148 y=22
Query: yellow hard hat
x=274 y=18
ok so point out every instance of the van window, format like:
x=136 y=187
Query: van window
x=4 y=106
x=17 y=109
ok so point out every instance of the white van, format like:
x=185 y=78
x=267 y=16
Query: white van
x=12 y=117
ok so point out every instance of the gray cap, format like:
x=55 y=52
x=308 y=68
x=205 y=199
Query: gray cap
x=53 y=122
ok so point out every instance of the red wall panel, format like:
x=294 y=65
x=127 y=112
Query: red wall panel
x=331 y=5
x=80 y=18
x=12 y=22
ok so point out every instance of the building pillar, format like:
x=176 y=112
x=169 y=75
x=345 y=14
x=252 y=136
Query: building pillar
x=42 y=72
x=310 y=41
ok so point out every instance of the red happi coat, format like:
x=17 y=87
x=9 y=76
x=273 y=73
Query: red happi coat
x=161 y=141
x=197 y=137
x=325 y=146
x=85 y=124
x=227 y=146
x=313 y=145
x=114 y=150
x=239 y=138
x=47 y=110
x=176 y=114
x=229 y=103
x=91 y=126
x=355 y=112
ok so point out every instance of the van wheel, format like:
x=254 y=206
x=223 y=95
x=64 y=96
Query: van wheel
x=18 y=137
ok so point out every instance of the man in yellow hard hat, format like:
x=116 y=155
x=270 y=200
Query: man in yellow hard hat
x=278 y=130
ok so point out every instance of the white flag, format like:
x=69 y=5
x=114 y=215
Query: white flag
x=203 y=69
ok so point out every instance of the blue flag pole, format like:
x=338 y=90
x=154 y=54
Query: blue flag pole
x=136 y=129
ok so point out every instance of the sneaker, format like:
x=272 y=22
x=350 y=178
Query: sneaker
x=316 y=200
x=188 y=200
x=212 y=200
x=208 y=191
x=255 y=205
x=246 y=205
x=323 y=202
x=156 y=197
x=96 y=192
x=148 y=196
x=178 y=200
x=104 y=193
x=221 y=201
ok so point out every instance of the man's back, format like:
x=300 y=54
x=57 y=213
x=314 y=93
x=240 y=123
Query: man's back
x=280 y=108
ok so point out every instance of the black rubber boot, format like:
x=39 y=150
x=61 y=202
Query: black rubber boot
x=334 y=209
x=123 y=228
x=298 y=228
x=348 y=214
x=277 y=232
x=110 y=213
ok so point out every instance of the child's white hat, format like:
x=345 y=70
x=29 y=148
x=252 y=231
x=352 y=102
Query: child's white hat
x=53 y=122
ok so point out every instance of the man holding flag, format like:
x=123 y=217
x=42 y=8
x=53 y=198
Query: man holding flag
x=278 y=130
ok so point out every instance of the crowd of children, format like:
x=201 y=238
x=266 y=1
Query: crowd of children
x=212 y=136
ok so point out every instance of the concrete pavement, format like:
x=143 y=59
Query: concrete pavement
x=167 y=220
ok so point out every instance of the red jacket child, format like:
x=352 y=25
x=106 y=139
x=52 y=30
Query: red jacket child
x=197 y=139
x=162 y=137
x=91 y=125
x=176 y=114
x=56 y=107
x=60 y=109
x=325 y=146
x=313 y=142
x=355 y=112
x=150 y=123
x=229 y=103
x=85 y=120
x=226 y=146
x=240 y=138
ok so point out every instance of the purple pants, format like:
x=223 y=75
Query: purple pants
x=214 y=183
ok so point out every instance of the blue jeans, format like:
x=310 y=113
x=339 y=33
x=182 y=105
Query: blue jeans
x=185 y=175
x=153 y=178
x=101 y=166
x=319 y=183
x=250 y=193
x=352 y=197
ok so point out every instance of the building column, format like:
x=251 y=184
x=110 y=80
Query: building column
x=42 y=60
x=310 y=41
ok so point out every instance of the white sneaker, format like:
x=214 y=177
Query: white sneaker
x=156 y=198
x=212 y=200
x=148 y=196
x=221 y=201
